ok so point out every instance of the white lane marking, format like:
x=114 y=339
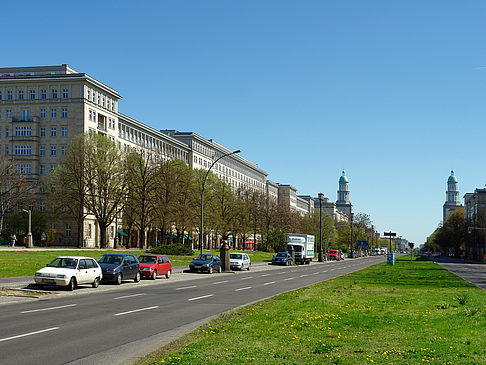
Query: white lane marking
x=289 y=279
x=303 y=276
x=220 y=282
x=294 y=270
x=187 y=287
x=49 y=309
x=136 y=310
x=270 y=282
x=204 y=296
x=129 y=296
x=251 y=277
x=265 y=275
x=314 y=273
x=322 y=272
x=29 y=334
x=248 y=287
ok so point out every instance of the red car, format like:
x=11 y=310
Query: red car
x=154 y=265
x=335 y=255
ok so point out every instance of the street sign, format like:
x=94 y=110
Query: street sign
x=391 y=234
x=362 y=243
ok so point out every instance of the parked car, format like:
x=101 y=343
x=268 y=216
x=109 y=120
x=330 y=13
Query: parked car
x=335 y=255
x=119 y=266
x=282 y=258
x=206 y=262
x=153 y=265
x=70 y=271
x=239 y=261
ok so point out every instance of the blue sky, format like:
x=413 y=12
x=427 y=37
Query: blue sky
x=390 y=91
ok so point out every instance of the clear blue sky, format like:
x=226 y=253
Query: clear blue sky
x=391 y=91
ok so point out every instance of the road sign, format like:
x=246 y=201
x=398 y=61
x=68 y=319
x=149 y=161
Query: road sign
x=391 y=234
x=362 y=243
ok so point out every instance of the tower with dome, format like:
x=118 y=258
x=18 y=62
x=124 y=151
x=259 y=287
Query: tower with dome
x=343 y=204
x=452 y=197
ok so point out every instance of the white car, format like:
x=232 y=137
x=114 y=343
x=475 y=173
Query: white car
x=239 y=261
x=70 y=271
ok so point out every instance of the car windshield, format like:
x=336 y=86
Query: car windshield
x=110 y=259
x=148 y=259
x=236 y=256
x=63 y=262
x=204 y=257
x=334 y=251
x=282 y=254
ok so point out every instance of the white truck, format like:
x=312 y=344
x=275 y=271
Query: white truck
x=303 y=245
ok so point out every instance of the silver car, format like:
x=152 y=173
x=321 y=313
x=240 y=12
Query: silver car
x=239 y=261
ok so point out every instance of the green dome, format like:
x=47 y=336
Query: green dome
x=343 y=179
x=452 y=178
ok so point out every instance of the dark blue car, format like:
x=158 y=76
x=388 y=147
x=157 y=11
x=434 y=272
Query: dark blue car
x=117 y=267
x=206 y=263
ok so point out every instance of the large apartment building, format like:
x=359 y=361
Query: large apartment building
x=43 y=108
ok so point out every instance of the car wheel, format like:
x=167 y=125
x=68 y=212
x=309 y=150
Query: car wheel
x=118 y=279
x=248 y=268
x=137 y=277
x=220 y=269
x=96 y=283
x=154 y=275
x=72 y=284
x=168 y=274
x=210 y=270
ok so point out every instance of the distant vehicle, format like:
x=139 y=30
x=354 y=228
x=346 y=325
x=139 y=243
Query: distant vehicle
x=239 y=261
x=70 y=271
x=282 y=258
x=206 y=262
x=153 y=265
x=119 y=266
x=335 y=255
x=303 y=245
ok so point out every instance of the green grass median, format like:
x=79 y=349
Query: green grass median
x=410 y=313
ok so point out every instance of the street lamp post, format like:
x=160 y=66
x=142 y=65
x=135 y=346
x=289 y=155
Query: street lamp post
x=201 y=229
x=352 y=238
x=29 y=243
x=320 y=197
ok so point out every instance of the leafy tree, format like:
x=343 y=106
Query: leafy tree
x=105 y=181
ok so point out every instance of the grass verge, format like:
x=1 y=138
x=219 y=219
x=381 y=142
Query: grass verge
x=410 y=313
x=26 y=263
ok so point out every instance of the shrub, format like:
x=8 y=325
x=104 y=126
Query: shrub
x=172 y=249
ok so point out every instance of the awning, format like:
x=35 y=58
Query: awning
x=122 y=232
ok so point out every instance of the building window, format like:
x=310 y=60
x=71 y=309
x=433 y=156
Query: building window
x=21 y=95
x=43 y=131
x=1 y=95
x=67 y=231
x=42 y=150
x=9 y=95
x=89 y=230
x=32 y=94
x=7 y=132
x=53 y=131
x=42 y=206
x=52 y=167
x=21 y=150
x=25 y=115
x=6 y=151
x=64 y=131
x=63 y=150
x=43 y=113
x=8 y=113
x=53 y=113
x=24 y=169
x=53 y=150
x=44 y=94
x=54 y=94
x=65 y=93
x=64 y=113
x=23 y=131
x=42 y=169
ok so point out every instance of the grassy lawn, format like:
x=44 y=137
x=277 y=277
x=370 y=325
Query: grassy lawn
x=410 y=313
x=25 y=263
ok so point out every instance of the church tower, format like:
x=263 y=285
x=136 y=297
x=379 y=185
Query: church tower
x=452 y=197
x=343 y=204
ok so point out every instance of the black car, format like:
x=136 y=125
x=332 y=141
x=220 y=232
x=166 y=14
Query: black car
x=282 y=258
x=206 y=262
x=117 y=267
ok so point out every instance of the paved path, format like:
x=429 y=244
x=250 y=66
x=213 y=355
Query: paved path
x=470 y=271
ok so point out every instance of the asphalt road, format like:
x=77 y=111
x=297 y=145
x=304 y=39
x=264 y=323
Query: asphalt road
x=119 y=324
x=471 y=271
